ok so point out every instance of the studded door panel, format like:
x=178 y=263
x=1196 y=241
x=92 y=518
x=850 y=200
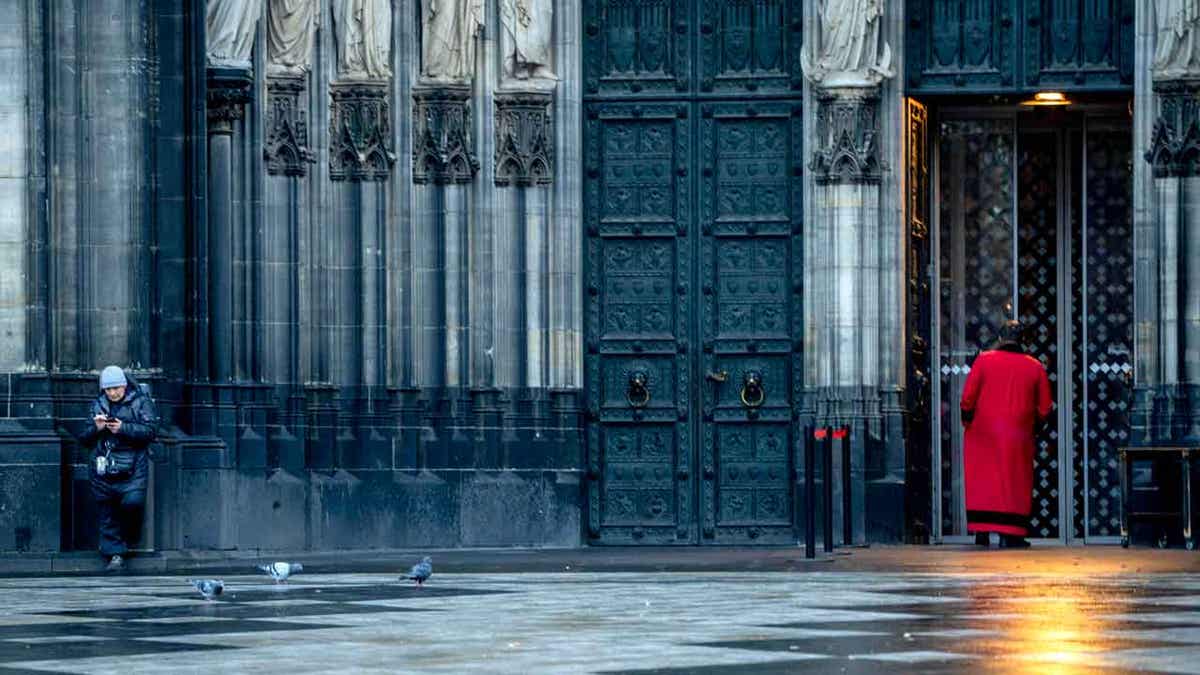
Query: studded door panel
x=749 y=210
x=692 y=185
x=640 y=487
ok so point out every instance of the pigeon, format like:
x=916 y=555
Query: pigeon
x=280 y=571
x=209 y=588
x=421 y=571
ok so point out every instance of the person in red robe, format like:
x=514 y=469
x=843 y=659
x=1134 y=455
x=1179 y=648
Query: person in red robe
x=1005 y=400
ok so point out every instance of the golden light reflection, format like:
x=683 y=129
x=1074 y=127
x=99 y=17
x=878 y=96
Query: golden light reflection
x=1050 y=626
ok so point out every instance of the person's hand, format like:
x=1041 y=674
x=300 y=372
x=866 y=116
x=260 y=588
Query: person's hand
x=99 y=420
x=114 y=426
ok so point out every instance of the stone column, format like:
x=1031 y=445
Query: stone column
x=445 y=162
x=1167 y=226
x=1174 y=155
x=842 y=246
x=524 y=159
x=1148 y=396
x=566 y=240
x=524 y=173
x=287 y=156
x=228 y=94
x=360 y=164
x=853 y=260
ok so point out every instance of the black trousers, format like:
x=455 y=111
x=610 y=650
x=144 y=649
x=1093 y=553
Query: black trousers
x=121 y=504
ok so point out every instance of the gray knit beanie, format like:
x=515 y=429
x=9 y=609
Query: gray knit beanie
x=112 y=376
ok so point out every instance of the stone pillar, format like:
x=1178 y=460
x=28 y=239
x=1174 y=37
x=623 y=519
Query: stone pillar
x=842 y=269
x=228 y=93
x=524 y=173
x=1166 y=228
x=360 y=164
x=287 y=156
x=524 y=161
x=566 y=236
x=445 y=161
x=854 y=255
x=1148 y=396
x=1174 y=155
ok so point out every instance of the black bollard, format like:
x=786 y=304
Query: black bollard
x=827 y=487
x=847 y=520
x=810 y=498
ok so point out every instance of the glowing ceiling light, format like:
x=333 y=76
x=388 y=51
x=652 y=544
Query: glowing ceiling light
x=1048 y=98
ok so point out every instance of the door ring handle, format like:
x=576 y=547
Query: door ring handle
x=637 y=393
x=753 y=392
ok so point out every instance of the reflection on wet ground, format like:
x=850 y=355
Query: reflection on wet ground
x=774 y=622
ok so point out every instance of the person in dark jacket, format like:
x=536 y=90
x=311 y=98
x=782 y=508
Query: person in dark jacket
x=122 y=423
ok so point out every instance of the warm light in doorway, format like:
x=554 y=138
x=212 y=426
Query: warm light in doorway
x=1048 y=98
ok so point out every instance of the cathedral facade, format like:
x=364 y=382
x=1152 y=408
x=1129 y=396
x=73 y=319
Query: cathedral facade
x=407 y=273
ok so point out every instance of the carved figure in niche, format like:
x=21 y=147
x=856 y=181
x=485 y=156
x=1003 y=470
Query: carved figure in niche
x=448 y=32
x=526 y=29
x=852 y=51
x=290 y=28
x=1177 y=49
x=363 y=33
x=229 y=27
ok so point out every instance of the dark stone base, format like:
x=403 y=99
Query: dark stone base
x=31 y=484
x=321 y=468
x=885 y=511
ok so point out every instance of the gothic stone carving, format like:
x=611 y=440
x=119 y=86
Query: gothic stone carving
x=228 y=93
x=1175 y=142
x=443 y=147
x=286 y=150
x=524 y=139
x=847 y=129
x=360 y=132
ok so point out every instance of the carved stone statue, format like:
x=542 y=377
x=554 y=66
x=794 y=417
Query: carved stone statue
x=363 y=33
x=1177 y=48
x=851 y=52
x=448 y=31
x=229 y=25
x=290 y=27
x=526 y=30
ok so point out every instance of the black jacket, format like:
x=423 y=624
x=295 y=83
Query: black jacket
x=139 y=421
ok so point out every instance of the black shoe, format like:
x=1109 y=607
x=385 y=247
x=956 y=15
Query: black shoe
x=1013 y=541
x=981 y=538
x=115 y=564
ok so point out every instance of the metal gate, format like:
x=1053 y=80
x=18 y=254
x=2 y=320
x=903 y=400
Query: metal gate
x=1034 y=221
x=692 y=209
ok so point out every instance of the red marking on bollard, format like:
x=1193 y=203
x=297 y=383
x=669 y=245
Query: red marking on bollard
x=820 y=434
x=841 y=433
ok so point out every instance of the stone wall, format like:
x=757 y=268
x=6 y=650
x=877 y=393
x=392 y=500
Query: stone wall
x=348 y=350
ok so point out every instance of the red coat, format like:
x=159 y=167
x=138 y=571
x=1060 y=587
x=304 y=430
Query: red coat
x=1006 y=395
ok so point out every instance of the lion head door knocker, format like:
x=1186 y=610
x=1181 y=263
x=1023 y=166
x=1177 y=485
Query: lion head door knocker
x=753 y=392
x=638 y=393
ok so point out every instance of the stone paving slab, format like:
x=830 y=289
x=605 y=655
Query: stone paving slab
x=615 y=622
x=935 y=559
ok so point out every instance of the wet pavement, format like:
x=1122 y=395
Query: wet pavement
x=892 y=610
